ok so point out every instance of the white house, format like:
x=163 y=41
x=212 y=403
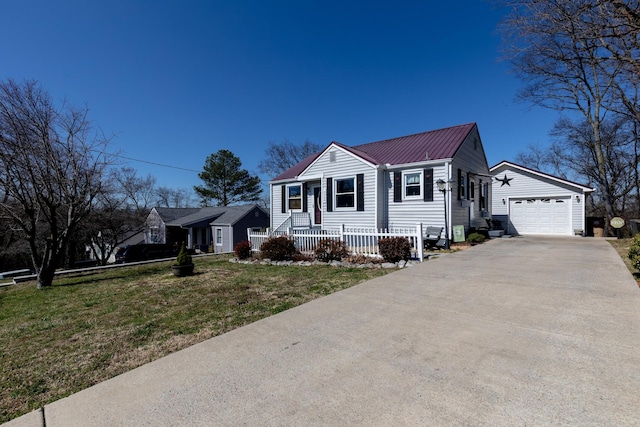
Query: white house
x=387 y=184
x=527 y=201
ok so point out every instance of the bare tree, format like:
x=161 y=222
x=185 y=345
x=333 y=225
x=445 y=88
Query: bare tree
x=558 y=49
x=115 y=218
x=174 y=197
x=617 y=25
x=281 y=156
x=51 y=169
x=139 y=192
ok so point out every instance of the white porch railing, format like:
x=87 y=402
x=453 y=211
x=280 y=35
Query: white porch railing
x=294 y=220
x=360 y=241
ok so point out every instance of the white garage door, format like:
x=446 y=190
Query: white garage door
x=540 y=215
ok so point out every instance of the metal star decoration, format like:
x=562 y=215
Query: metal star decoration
x=504 y=180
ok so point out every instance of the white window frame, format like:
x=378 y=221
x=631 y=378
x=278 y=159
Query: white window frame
x=298 y=198
x=336 y=194
x=420 y=185
x=219 y=237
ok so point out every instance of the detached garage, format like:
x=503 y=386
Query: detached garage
x=527 y=201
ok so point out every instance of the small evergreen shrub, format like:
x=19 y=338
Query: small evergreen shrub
x=243 y=250
x=279 y=248
x=634 y=252
x=394 y=249
x=331 y=250
x=183 y=258
x=475 y=238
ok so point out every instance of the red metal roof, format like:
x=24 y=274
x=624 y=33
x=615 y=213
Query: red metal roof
x=431 y=145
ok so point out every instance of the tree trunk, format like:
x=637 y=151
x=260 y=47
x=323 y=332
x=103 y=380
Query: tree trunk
x=45 y=277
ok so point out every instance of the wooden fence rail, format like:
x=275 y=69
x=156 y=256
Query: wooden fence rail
x=359 y=241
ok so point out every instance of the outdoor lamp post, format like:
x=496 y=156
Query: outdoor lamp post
x=443 y=187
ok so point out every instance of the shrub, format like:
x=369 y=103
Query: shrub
x=475 y=238
x=279 y=248
x=394 y=249
x=331 y=250
x=634 y=252
x=183 y=258
x=243 y=250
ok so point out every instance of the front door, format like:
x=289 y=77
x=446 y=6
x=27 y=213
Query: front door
x=317 y=206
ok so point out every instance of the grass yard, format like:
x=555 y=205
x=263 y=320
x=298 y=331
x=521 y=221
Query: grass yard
x=622 y=246
x=90 y=328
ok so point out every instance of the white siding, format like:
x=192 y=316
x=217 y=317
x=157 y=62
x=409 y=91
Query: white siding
x=343 y=164
x=277 y=217
x=408 y=213
x=470 y=158
x=525 y=185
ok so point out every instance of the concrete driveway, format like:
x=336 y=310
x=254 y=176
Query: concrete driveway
x=522 y=331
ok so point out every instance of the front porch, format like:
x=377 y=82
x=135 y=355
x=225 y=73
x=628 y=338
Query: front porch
x=359 y=240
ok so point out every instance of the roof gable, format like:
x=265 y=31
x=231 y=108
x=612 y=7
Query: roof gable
x=504 y=163
x=420 y=147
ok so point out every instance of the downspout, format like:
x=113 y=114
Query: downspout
x=450 y=217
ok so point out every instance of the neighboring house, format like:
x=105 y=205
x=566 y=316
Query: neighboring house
x=94 y=252
x=387 y=184
x=527 y=201
x=217 y=229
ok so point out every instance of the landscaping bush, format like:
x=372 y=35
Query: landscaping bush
x=184 y=257
x=279 y=248
x=331 y=250
x=475 y=238
x=394 y=249
x=634 y=252
x=243 y=250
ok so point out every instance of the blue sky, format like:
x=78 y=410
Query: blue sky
x=175 y=81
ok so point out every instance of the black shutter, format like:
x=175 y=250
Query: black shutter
x=360 y=192
x=460 y=185
x=329 y=195
x=428 y=185
x=284 y=198
x=397 y=187
x=304 y=197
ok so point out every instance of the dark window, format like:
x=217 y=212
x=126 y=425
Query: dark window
x=461 y=193
x=295 y=197
x=345 y=193
x=412 y=184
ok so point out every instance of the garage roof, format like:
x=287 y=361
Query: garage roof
x=504 y=163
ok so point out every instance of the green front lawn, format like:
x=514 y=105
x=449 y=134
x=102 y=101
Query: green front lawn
x=89 y=328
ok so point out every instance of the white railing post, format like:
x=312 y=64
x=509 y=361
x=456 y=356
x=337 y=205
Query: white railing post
x=419 y=242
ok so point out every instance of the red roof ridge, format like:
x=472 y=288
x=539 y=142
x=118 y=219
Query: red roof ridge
x=418 y=133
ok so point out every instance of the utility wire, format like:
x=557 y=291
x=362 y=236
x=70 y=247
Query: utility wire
x=152 y=163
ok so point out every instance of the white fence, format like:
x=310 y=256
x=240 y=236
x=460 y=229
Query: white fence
x=360 y=241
